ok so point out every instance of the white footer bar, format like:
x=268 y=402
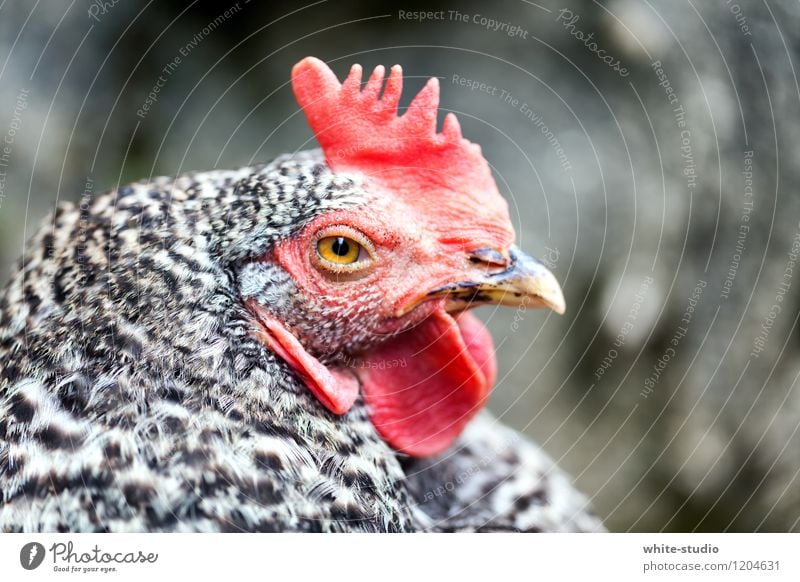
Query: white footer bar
x=406 y=558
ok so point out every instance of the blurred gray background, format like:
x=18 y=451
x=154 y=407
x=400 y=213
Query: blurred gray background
x=649 y=151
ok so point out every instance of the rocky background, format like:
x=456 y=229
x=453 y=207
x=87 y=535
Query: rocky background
x=649 y=151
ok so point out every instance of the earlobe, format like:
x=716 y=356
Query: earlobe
x=336 y=389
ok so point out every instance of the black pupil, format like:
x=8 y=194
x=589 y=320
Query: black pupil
x=340 y=247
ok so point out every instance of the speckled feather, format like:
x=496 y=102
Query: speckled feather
x=135 y=397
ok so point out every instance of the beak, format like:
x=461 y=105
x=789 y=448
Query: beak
x=526 y=282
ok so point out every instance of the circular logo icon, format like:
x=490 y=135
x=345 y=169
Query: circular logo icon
x=31 y=555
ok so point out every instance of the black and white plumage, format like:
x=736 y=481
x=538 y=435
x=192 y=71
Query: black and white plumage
x=132 y=397
x=135 y=395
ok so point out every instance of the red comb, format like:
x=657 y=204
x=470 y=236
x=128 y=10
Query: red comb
x=359 y=131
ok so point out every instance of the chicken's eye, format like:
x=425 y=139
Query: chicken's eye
x=339 y=250
x=342 y=249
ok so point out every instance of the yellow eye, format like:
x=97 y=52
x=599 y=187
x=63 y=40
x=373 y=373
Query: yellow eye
x=343 y=250
x=339 y=250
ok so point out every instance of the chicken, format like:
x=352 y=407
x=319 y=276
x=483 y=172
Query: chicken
x=283 y=347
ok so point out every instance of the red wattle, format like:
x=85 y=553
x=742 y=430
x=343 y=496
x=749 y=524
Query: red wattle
x=425 y=384
x=336 y=389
